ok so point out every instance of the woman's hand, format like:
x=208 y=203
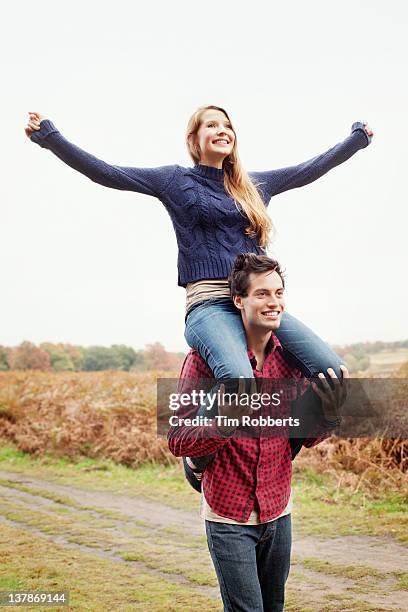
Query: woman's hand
x=33 y=123
x=367 y=129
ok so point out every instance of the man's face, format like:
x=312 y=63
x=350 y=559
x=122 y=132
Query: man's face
x=262 y=308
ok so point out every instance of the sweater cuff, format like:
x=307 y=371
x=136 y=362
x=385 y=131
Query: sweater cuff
x=358 y=125
x=46 y=128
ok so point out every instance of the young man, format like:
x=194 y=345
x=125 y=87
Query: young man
x=246 y=492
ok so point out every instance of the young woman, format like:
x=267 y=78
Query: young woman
x=218 y=210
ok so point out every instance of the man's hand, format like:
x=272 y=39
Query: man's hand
x=33 y=123
x=332 y=399
x=234 y=409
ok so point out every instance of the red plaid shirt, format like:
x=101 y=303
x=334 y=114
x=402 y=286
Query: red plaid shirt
x=245 y=470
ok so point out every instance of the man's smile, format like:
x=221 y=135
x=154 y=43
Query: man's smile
x=271 y=314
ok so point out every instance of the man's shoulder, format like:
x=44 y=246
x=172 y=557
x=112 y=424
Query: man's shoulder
x=193 y=370
x=282 y=366
x=195 y=365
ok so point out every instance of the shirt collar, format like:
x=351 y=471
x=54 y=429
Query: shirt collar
x=272 y=344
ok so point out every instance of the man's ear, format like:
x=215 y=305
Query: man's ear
x=237 y=299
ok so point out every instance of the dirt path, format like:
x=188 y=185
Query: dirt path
x=340 y=573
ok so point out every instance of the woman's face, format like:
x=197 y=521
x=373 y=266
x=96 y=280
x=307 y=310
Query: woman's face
x=215 y=137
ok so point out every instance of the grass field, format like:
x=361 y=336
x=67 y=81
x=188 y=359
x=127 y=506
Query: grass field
x=123 y=539
x=385 y=363
x=93 y=502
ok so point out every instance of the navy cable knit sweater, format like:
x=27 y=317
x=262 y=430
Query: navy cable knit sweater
x=209 y=227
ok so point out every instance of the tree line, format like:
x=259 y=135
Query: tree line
x=357 y=355
x=48 y=356
x=68 y=357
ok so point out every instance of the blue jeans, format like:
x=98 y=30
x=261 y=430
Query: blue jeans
x=214 y=328
x=252 y=563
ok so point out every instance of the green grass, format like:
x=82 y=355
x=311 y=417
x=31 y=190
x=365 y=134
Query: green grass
x=323 y=509
x=402 y=580
x=166 y=550
x=354 y=572
x=72 y=528
x=320 y=507
x=94 y=584
x=151 y=480
x=169 y=557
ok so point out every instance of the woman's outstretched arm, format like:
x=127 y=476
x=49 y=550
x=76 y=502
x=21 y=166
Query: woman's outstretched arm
x=150 y=181
x=276 y=181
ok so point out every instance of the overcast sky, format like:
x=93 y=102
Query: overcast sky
x=85 y=264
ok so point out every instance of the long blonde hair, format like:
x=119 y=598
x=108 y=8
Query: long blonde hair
x=236 y=181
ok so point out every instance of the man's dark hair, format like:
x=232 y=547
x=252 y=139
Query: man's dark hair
x=244 y=264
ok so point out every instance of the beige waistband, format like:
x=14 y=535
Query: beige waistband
x=205 y=289
x=208 y=514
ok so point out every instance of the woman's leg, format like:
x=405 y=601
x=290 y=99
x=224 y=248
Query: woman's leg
x=215 y=330
x=305 y=349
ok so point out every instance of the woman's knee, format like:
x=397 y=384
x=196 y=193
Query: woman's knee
x=332 y=361
x=235 y=368
x=309 y=352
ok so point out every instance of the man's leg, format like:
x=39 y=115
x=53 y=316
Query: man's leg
x=232 y=549
x=273 y=562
